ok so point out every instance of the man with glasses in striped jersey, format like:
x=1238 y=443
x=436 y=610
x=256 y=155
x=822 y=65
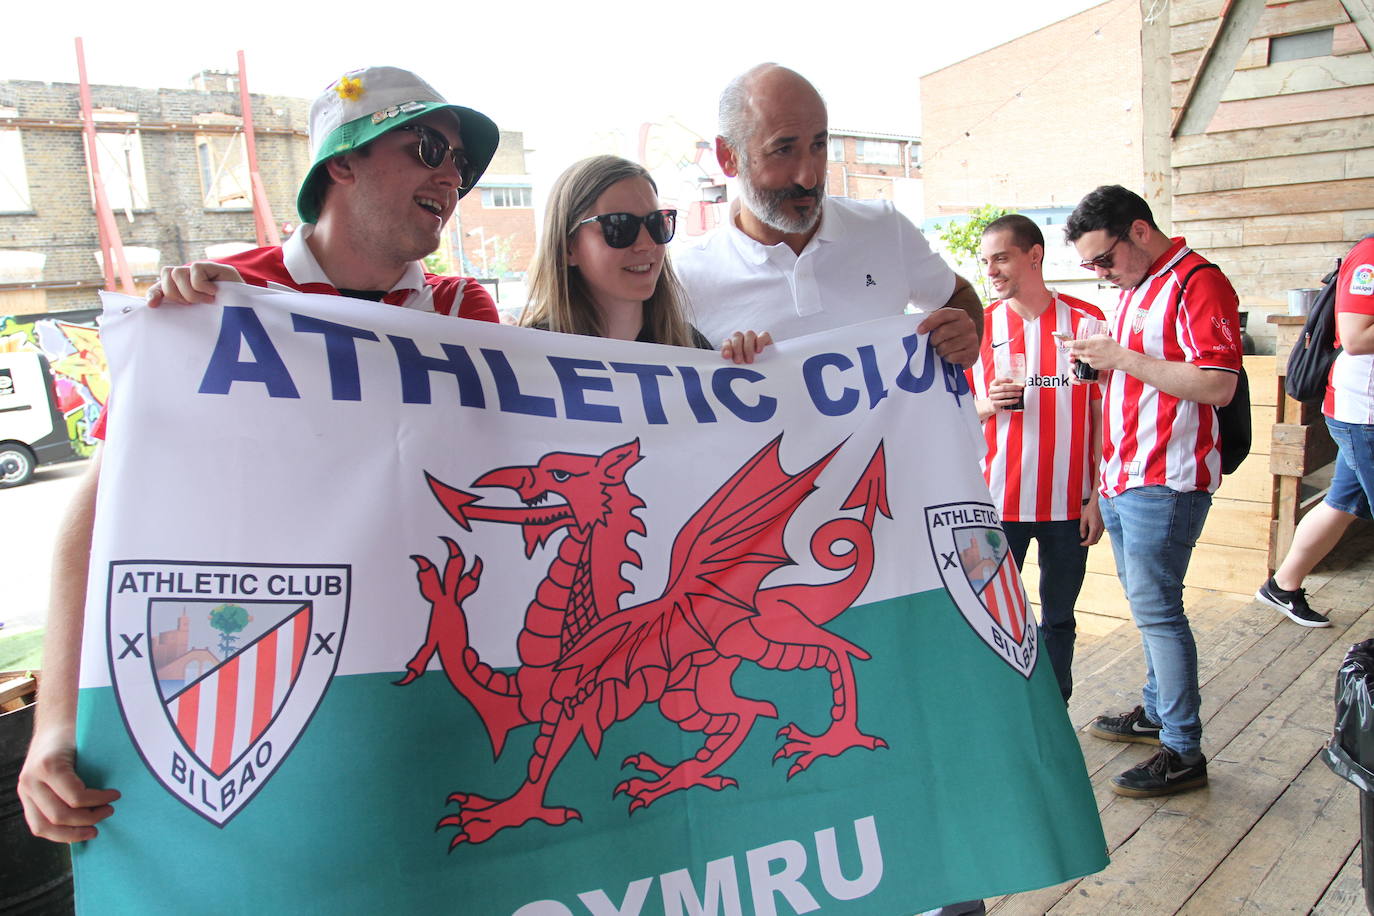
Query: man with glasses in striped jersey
x=1171 y=358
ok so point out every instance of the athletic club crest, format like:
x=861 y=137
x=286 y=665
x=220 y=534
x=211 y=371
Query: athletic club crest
x=1138 y=319
x=981 y=576
x=218 y=668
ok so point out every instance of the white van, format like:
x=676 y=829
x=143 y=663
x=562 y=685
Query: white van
x=33 y=431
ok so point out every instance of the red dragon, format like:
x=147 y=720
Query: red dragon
x=587 y=663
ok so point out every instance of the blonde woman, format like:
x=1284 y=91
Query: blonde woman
x=602 y=268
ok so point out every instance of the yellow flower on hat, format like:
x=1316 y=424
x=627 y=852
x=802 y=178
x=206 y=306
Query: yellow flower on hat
x=350 y=88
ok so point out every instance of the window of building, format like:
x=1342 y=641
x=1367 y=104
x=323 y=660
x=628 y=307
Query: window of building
x=878 y=152
x=837 y=149
x=223 y=159
x=18 y=267
x=142 y=260
x=507 y=197
x=120 y=158
x=14 y=181
x=1301 y=45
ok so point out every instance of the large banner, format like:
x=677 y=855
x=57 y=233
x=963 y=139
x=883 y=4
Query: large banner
x=392 y=612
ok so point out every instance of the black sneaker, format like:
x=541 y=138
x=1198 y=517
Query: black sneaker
x=1293 y=603
x=1132 y=726
x=1163 y=774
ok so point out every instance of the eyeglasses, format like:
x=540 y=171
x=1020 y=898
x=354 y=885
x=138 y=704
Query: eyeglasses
x=1103 y=261
x=621 y=229
x=434 y=148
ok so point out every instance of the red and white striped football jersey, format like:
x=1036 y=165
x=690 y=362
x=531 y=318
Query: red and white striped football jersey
x=1038 y=460
x=1350 y=390
x=1150 y=437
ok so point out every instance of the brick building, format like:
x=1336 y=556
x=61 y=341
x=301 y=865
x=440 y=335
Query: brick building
x=875 y=166
x=1244 y=123
x=494 y=226
x=1040 y=120
x=1037 y=122
x=174 y=166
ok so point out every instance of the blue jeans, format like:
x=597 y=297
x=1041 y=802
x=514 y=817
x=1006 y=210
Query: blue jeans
x=1153 y=531
x=1063 y=561
x=1352 y=487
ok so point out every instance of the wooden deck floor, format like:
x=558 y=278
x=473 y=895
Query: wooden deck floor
x=1275 y=831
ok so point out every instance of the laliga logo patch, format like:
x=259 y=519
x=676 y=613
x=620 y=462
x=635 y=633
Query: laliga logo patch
x=218 y=668
x=980 y=575
x=1362 y=280
x=1224 y=326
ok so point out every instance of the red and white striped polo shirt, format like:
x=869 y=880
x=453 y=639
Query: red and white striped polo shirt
x=1150 y=437
x=1038 y=460
x=1350 y=390
x=293 y=267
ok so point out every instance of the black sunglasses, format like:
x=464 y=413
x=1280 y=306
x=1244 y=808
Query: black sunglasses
x=621 y=229
x=434 y=147
x=1105 y=260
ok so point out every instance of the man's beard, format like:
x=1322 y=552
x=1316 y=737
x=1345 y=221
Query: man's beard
x=768 y=205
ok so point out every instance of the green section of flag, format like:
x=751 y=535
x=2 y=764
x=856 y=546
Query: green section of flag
x=981 y=791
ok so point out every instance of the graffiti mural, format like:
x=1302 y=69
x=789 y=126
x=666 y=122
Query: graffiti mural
x=81 y=377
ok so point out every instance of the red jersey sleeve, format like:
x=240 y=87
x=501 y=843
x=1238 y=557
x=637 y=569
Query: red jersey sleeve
x=1209 y=321
x=1355 y=287
x=477 y=303
x=472 y=300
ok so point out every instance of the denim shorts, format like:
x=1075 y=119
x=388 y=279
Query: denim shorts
x=1353 y=484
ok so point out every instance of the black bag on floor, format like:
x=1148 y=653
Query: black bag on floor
x=1350 y=752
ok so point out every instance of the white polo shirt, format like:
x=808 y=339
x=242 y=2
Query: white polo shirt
x=865 y=261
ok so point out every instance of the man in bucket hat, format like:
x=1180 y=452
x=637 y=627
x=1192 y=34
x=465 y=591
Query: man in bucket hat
x=391 y=158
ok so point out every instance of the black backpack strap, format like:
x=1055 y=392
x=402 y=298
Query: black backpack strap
x=1178 y=295
x=1233 y=420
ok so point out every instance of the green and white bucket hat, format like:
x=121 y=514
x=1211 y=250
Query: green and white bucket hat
x=361 y=105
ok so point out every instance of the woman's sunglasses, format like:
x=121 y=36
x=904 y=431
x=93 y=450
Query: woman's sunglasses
x=621 y=229
x=434 y=148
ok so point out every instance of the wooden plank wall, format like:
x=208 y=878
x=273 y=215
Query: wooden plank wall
x=1282 y=179
x=1233 y=553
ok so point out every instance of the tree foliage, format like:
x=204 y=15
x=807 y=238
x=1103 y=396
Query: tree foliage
x=229 y=619
x=436 y=263
x=964 y=238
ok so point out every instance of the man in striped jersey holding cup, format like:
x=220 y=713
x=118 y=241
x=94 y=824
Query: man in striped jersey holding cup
x=1171 y=358
x=1041 y=426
